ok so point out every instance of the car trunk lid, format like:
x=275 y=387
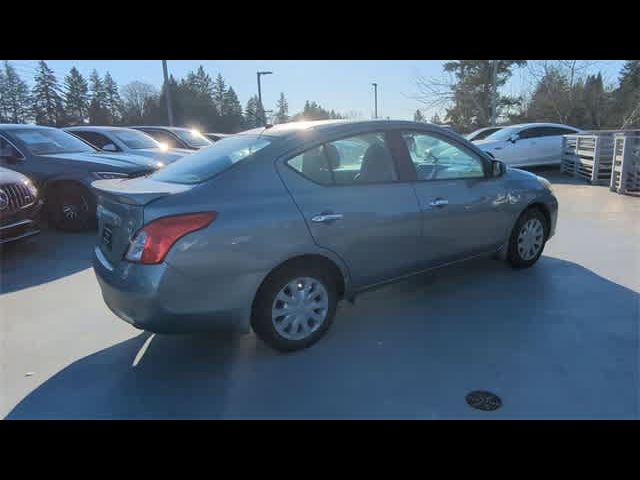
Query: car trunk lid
x=120 y=212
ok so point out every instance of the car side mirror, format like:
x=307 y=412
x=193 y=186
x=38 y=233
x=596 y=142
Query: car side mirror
x=498 y=168
x=110 y=147
x=513 y=138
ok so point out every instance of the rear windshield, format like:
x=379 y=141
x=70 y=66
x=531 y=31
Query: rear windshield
x=204 y=164
x=136 y=139
x=193 y=139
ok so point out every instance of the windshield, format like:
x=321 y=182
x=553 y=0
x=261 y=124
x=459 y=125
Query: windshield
x=135 y=139
x=193 y=139
x=44 y=141
x=482 y=134
x=502 y=135
x=206 y=163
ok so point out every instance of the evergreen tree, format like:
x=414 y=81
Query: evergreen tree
x=47 y=102
x=98 y=111
x=282 y=110
x=627 y=96
x=253 y=113
x=233 y=112
x=14 y=96
x=218 y=93
x=418 y=117
x=472 y=92
x=76 y=98
x=200 y=82
x=435 y=119
x=193 y=104
x=113 y=102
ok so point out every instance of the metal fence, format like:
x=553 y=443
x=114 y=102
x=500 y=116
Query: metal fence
x=625 y=176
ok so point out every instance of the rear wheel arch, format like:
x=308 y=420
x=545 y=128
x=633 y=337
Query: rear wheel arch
x=307 y=260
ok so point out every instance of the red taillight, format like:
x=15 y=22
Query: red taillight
x=152 y=243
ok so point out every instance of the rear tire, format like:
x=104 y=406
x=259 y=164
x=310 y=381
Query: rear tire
x=528 y=239
x=294 y=307
x=71 y=207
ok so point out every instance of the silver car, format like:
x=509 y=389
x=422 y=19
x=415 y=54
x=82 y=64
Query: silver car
x=270 y=228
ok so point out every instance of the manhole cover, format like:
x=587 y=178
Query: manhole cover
x=484 y=400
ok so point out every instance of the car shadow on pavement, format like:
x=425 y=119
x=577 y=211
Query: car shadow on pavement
x=43 y=258
x=553 y=341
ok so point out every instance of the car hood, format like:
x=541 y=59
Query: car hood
x=119 y=160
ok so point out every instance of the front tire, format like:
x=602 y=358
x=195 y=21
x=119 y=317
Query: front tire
x=295 y=307
x=71 y=208
x=528 y=239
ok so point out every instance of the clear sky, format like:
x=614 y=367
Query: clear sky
x=341 y=85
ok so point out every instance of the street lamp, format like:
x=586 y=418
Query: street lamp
x=375 y=96
x=167 y=92
x=264 y=119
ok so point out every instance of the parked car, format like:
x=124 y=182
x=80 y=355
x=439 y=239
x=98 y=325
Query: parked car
x=127 y=140
x=214 y=137
x=269 y=229
x=63 y=167
x=19 y=206
x=527 y=144
x=481 y=133
x=175 y=137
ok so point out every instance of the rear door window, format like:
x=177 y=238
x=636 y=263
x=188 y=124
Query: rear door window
x=361 y=159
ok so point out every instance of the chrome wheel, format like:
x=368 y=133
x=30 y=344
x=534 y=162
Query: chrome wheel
x=300 y=308
x=530 y=239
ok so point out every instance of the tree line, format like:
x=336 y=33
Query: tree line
x=198 y=100
x=564 y=91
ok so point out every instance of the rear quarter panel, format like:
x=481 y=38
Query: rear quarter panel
x=257 y=228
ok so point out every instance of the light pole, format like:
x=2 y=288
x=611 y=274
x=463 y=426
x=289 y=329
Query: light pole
x=264 y=117
x=167 y=91
x=375 y=99
x=494 y=93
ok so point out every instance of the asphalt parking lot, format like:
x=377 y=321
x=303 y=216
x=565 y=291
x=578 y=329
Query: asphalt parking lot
x=560 y=340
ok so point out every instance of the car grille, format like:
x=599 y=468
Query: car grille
x=17 y=196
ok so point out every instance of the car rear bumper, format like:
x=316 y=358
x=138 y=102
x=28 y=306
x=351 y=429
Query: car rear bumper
x=19 y=225
x=161 y=299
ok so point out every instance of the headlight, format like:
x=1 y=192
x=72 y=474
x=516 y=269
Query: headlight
x=32 y=188
x=109 y=175
x=545 y=183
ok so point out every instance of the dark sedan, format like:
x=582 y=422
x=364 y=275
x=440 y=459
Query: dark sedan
x=63 y=167
x=19 y=206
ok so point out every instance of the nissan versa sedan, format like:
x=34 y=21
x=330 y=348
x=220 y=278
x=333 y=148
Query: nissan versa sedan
x=63 y=167
x=127 y=140
x=527 y=144
x=269 y=229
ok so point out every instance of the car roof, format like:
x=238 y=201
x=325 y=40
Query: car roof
x=337 y=126
x=539 y=124
x=13 y=126
x=96 y=128
x=162 y=127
